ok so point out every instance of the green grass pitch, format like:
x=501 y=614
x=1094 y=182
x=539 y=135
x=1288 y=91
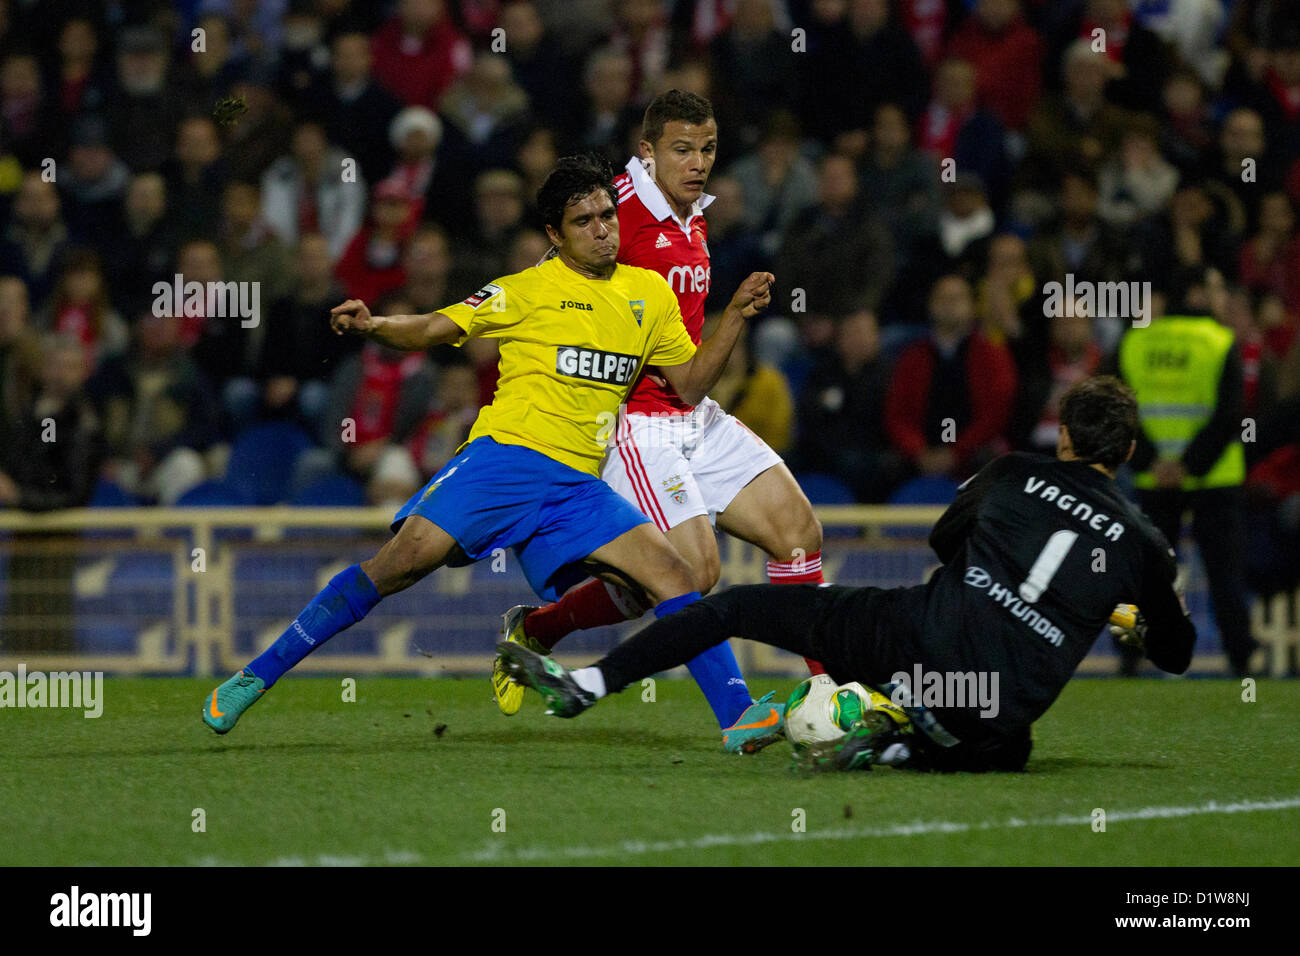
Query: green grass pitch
x=1187 y=773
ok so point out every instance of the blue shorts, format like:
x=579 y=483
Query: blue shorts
x=507 y=496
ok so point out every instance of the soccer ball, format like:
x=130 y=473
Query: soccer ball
x=820 y=711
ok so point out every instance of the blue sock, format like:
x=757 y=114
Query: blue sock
x=716 y=671
x=348 y=598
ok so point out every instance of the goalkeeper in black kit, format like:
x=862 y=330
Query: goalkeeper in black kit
x=1037 y=554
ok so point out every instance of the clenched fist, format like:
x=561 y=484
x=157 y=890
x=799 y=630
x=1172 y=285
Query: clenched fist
x=754 y=294
x=352 y=316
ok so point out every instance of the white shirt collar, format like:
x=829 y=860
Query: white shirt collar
x=652 y=197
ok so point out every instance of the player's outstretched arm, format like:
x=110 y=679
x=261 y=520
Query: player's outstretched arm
x=692 y=380
x=409 y=333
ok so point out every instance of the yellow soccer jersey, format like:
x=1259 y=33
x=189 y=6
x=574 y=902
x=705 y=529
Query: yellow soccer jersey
x=571 y=347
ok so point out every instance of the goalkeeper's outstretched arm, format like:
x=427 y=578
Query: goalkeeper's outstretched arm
x=1170 y=634
x=408 y=333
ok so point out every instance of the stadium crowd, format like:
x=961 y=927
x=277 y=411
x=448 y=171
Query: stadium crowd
x=914 y=172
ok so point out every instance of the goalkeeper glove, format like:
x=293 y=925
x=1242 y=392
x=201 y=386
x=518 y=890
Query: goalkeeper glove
x=1129 y=626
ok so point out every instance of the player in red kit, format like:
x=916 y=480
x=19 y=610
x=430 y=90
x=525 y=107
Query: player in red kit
x=687 y=468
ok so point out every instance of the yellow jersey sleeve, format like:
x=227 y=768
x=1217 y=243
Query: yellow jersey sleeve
x=491 y=312
x=674 y=345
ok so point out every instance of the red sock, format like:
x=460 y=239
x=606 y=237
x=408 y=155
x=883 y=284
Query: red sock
x=805 y=571
x=594 y=604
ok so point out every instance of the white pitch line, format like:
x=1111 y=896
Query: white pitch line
x=497 y=854
x=494 y=853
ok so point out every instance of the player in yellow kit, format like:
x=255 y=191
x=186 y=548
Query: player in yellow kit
x=575 y=332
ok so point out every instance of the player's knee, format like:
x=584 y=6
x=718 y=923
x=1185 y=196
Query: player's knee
x=675 y=577
x=706 y=572
x=797 y=535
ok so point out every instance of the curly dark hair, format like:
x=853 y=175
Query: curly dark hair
x=1101 y=413
x=573 y=178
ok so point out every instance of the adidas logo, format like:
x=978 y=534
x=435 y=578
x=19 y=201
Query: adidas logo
x=662 y=242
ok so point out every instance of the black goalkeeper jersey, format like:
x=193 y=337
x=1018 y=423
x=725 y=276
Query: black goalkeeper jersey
x=1036 y=554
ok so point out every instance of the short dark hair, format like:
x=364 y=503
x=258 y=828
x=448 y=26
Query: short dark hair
x=1101 y=414
x=573 y=178
x=673 y=105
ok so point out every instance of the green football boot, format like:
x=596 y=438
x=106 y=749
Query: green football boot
x=563 y=696
x=227 y=703
x=508 y=692
x=762 y=723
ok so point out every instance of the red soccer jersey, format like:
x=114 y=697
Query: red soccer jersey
x=651 y=237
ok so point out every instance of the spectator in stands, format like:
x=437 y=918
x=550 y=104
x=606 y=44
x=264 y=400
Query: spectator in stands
x=257 y=139
x=950 y=395
x=1186 y=132
x=79 y=308
x=419 y=52
x=250 y=251
x=1075 y=129
x=448 y=419
x=355 y=109
x=734 y=251
x=33 y=243
x=1141 y=60
x=372 y=264
x=51 y=459
x=841 y=413
x=143 y=252
x=1008 y=300
x=959 y=246
x=1137 y=182
x=1007 y=54
x=300 y=354
x=1277 y=98
x=20 y=355
x=196 y=176
x=416 y=134
x=1245 y=163
x=1270 y=259
x=1201 y=227
x=485 y=111
x=1043 y=377
x=902 y=181
x=427 y=262
x=158 y=413
x=608 y=116
x=81 y=82
x=837 y=252
x=954 y=129
x=641 y=31
x=377 y=398
x=534 y=159
x=538 y=62
x=756 y=393
x=306 y=192
x=779 y=183
x=498 y=215
x=1079 y=243
x=26 y=115
x=756 y=59
x=94 y=185
x=876 y=62
x=146 y=104
x=215 y=70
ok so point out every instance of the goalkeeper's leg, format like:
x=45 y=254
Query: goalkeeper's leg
x=783 y=616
